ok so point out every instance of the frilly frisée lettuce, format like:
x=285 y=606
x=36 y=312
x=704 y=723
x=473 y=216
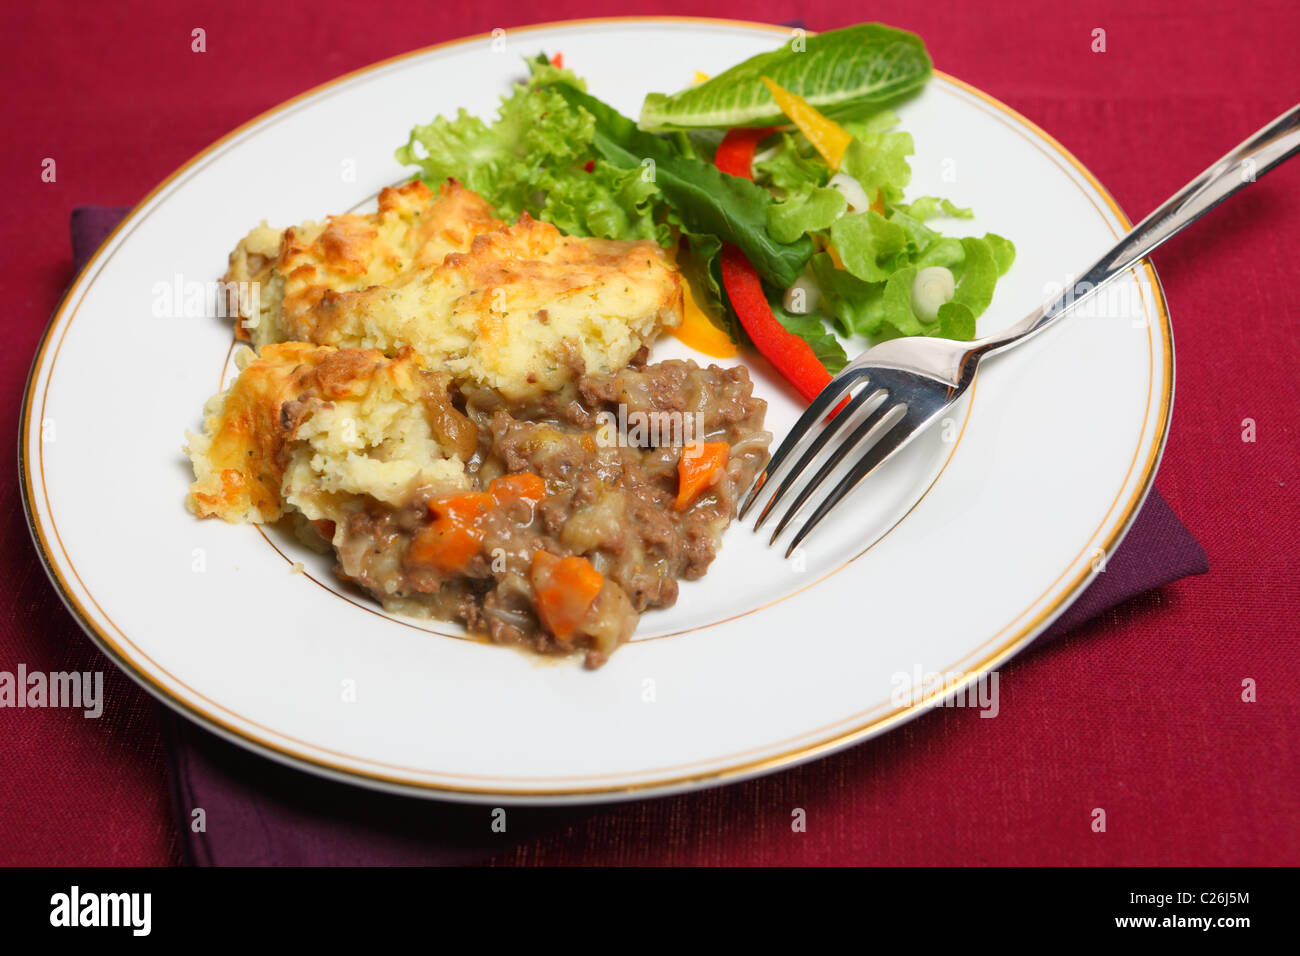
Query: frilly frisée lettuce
x=538 y=157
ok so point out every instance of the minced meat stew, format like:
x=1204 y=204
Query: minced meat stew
x=588 y=506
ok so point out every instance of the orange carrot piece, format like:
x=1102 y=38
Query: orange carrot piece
x=453 y=537
x=522 y=486
x=565 y=589
x=700 y=465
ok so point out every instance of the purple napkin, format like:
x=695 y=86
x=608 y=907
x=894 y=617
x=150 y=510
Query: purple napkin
x=263 y=813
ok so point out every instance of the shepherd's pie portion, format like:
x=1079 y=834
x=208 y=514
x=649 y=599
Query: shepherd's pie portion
x=522 y=308
x=430 y=402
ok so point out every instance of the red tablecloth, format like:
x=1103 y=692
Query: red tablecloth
x=1140 y=713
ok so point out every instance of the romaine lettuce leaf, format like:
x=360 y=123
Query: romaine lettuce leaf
x=844 y=73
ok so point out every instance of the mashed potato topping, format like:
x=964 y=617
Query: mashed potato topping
x=295 y=267
x=522 y=309
x=313 y=427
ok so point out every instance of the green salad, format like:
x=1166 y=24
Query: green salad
x=781 y=183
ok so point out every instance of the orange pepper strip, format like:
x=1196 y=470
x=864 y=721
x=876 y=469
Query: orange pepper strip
x=565 y=588
x=522 y=486
x=454 y=535
x=827 y=136
x=700 y=465
x=697 y=330
x=878 y=204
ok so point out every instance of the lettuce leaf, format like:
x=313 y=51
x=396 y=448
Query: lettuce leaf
x=879 y=161
x=880 y=254
x=1004 y=251
x=792 y=167
x=931 y=207
x=817 y=210
x=702 y=268
x=844 y=73
x=856 y=307
x=872 y=294
x=976 y=276
x=869 y=245
x=703 y=198
x=539 y=157
x=881 y=121
x=605 y=202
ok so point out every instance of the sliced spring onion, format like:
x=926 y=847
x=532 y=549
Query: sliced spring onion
x=852 y=190
x=932 y=287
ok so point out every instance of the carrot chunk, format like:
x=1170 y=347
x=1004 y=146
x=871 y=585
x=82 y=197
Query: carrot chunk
x=565 y=589
x=454 y=536
x=700 y=465
x=523 y=486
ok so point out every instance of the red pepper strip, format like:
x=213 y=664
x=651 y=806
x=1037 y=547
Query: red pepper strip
x=789 y=354
x=735 y=153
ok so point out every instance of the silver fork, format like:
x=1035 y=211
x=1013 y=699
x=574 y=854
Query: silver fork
x=897 y=389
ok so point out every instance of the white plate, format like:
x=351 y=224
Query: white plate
x=761 y=665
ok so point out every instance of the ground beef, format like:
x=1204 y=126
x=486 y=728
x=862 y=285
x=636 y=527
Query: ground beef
x=610 y=492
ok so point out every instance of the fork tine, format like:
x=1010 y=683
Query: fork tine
x=873 y=426
x=819 y=407
x=878 y=454
x=860 y=401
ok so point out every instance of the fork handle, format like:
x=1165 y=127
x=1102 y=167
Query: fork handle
x=1271 y=146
